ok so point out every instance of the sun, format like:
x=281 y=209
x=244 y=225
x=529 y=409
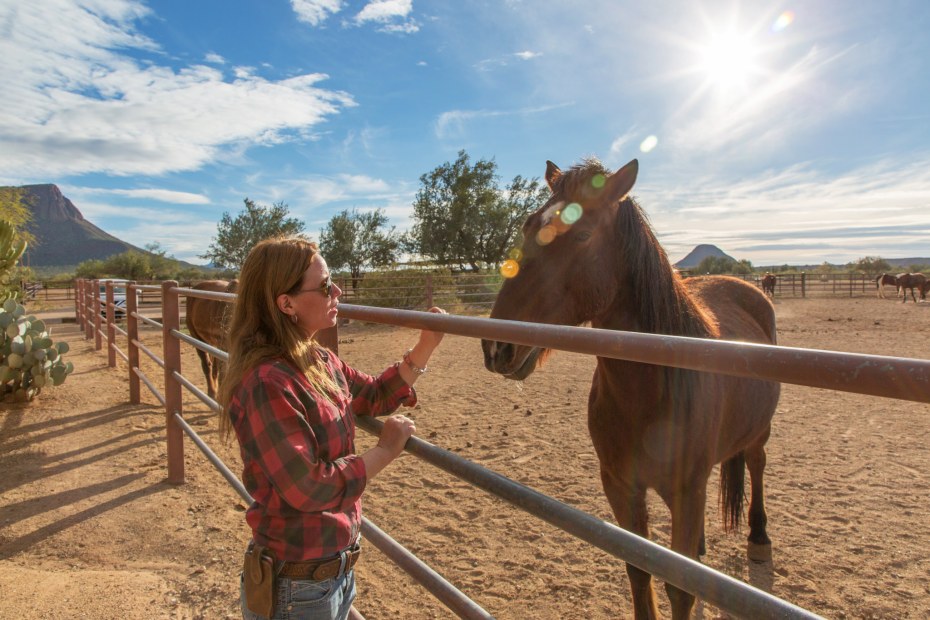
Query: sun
x=729 y=61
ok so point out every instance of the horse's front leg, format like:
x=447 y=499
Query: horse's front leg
x=629 y=507
x=687 y=536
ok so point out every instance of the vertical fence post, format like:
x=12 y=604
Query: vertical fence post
x=803 y=284
x=98 y=320
x=429 y=291
x=88 y=315
x=111 y=328
x=77 y=305
x=132 y=329
x=171 y=320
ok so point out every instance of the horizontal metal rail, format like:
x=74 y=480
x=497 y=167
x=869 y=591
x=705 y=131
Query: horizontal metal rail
x=120 y=330
x=196 y=391
x=148 y=352
x=147 y=320
x=119 y=352
x=193 y=292
x=448 y=594
x=231 y=478
x=200 y=344
x=721 y=590
x=149 y=385
x=876 y=375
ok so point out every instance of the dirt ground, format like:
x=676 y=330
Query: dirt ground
x=89 y=528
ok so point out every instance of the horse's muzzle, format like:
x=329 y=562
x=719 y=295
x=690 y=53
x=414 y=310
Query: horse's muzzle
x=512 y=361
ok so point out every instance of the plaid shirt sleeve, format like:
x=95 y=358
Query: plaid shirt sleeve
x=301 y=443
x=374 y=396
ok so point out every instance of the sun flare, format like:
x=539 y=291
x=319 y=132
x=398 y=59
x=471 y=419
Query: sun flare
x=729 y=60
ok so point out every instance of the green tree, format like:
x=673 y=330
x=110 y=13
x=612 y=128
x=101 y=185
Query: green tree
x=163 y=267
x=90 y=269
x=722 y=264
x=462 y=217
x=236 y=236
x=871 y=265
x=355 y=240
x=130 y=265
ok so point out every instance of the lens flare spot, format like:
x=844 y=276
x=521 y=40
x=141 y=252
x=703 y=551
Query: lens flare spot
x=648 y=144
x=598 y=180
x=571 y=213
x=784 y=20
x=546 y=234
x=510 y=268
x=515 y=254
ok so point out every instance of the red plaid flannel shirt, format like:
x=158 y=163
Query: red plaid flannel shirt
x=298 y=454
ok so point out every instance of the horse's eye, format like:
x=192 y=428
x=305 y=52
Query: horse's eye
x=582 y=235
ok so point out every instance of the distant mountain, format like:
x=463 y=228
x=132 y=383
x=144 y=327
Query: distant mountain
x=63 y=236
x=699 y=253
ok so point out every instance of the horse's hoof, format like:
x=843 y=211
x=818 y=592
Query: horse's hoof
x=759 y=553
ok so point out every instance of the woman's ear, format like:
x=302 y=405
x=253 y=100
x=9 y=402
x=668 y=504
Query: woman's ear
x=283 y=301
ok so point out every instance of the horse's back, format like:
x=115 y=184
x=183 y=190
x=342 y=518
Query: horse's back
x=742 y=311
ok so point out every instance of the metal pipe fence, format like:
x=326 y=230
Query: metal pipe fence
x=891 y=377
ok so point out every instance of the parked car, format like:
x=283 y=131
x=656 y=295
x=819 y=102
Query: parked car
x=119 y=296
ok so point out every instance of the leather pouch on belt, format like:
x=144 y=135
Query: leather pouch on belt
x=259 y=577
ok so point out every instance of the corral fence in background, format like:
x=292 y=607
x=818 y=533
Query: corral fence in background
x=474 y=293
x=885 y=376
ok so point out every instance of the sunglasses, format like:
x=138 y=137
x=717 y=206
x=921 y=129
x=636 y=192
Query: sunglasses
x=326 y=288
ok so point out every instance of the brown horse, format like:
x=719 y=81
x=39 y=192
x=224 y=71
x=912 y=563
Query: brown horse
x=589 y=254
x=886 y=278
x=910 y=281
x=768 y=284
x=207 y=321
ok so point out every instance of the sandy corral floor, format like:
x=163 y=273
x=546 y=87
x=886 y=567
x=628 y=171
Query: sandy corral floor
x=90 y=529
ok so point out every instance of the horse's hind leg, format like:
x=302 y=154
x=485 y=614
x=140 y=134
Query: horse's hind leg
x=629 y=507
x=205 y=365
x=759 y=547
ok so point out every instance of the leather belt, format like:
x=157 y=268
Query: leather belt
x=318 y=571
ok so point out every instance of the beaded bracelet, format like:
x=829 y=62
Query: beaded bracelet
x=416 y=369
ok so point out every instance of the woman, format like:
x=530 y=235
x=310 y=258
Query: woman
x=292 y=404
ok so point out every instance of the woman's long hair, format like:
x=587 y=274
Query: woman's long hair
x=259 y=331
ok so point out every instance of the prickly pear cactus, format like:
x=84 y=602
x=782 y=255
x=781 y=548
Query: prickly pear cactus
x=29 y=360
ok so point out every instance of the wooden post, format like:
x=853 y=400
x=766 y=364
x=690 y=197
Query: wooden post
x=88 y=315
x=171 y=320
x=132 y=328
x=329 y=338
x=98 y=331
x=429 y=291
x=77 y=305
x=111 y=328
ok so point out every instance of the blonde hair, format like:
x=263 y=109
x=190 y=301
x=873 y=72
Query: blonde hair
x=259 y=331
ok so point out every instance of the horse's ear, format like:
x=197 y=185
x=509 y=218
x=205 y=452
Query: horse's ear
x=621 y=182
x=553 y=174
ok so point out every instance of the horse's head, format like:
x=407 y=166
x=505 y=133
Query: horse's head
x=562 y=273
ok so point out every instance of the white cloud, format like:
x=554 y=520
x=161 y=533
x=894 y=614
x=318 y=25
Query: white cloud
x=393 y=15
x=314 y=12
x=76 y=103
x=215 y=59
x=452 y=123
x=527 y=55
x=161 y=195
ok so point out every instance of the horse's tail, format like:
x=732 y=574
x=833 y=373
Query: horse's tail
x=732 y=493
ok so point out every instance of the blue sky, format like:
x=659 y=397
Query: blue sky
x=781 y=132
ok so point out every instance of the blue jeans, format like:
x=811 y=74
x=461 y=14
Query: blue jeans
x=309 y=600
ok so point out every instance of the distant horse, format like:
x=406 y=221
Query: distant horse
x=911 y=281
x=768 y=284
x=886 y=278
x=589 y=254
x=206 y=321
